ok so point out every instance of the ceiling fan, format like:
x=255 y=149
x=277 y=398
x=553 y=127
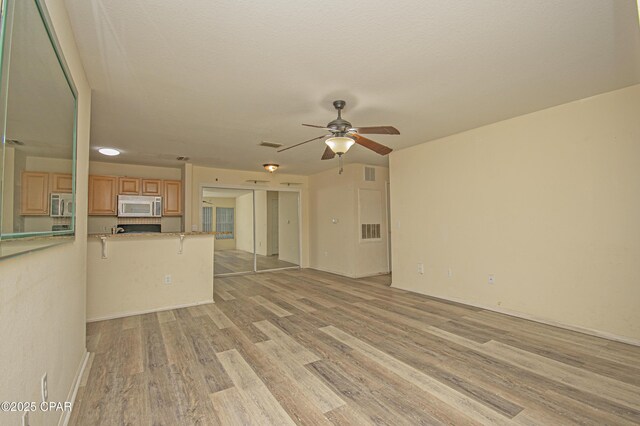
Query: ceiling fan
x=342 y=135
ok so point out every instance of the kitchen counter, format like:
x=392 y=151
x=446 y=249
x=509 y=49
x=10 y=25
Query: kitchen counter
x=149 y=234
x=136 y=273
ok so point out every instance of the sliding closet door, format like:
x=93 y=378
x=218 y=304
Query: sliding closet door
x=229 y=213
x=277 y=230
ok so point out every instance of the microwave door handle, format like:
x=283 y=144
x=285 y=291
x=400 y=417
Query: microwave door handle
x=61 y=208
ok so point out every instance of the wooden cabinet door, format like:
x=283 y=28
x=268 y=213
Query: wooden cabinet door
x=102 y=195
x=35 y=194
x=128 y=186
x=172 y=198
x=61 y=182
x=152 y=187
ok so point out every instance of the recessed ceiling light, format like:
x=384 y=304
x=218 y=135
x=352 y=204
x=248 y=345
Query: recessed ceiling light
x=109 y=151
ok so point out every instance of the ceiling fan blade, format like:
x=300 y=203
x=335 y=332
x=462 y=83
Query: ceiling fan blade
x=378 y=130
x=373 y=146
x=313 y=125
x=298 y=144
x=328 y=154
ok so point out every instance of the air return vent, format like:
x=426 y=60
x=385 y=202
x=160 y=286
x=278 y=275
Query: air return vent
x=270 y=144
x=370 y=174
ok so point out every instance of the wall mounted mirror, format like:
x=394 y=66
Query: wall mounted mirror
x=38 y=110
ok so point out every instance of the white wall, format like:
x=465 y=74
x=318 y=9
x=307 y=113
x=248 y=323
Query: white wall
x=548 y=202
x=244 y=222
x=335 y=244
x=131 y=279
x=42 y=294
x=288 y=225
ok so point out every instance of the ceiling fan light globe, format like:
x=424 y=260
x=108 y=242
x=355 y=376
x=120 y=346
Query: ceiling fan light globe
x=340 y=145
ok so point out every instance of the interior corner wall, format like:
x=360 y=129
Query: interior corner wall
x=334 y=234
x=42 y=294
x=548 y=202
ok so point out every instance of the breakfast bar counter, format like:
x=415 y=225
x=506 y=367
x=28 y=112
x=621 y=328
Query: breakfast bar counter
x=134 y=273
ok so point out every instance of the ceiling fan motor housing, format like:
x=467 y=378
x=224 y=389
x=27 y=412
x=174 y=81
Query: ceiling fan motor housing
x=339 y=126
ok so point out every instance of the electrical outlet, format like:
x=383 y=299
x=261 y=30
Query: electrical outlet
x=167 y=279
x=44 y=388
x=492 y=278
x=421 y=268
x=25 y=419
x=450 y=273
x=194 y=228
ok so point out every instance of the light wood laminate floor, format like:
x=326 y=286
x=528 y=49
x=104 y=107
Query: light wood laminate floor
x=305 y=347
x=231 y=261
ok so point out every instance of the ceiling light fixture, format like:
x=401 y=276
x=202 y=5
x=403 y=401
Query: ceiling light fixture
x=109 y=152
x=270 y=167
x=340 y=145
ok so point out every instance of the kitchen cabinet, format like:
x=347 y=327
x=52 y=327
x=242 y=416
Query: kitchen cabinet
x=152 y=187
x=61 y=182
x=34 y=194
x=128 y=186
x=172 y=198
x=102 y=195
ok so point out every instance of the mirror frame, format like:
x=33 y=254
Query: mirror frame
x=16 y=243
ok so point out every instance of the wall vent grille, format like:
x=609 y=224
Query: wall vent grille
x=370 y=231
x=370 y=174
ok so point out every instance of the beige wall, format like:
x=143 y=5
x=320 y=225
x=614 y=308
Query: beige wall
x=198 y=177
x=288 y=235
x=261 y=222
x=131 y=279
x=548 y=202
x=134 y=170
x=42 y=296
x=335 y=244
x=244 y=222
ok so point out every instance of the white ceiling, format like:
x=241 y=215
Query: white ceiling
x=211 y=79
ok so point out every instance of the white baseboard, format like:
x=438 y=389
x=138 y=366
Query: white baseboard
x=73 y=392
x=597 y=333
x=342 y=274
x=148 y=311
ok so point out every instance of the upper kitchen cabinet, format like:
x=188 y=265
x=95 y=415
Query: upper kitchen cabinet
x=152 y=187
x=35 y=194
x=61 y=182
x=103 y=195
x=128 y=186
x=172 y=198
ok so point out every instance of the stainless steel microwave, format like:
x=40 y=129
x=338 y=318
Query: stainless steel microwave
x=139 y=206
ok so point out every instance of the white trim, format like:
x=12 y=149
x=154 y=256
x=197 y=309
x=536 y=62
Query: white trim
x=592 y=332
x=342 y=274
x=73 y=392
x=149 y=311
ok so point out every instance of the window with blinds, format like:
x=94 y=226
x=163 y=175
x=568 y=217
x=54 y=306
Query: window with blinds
x=224 y=223
x=207 y=219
